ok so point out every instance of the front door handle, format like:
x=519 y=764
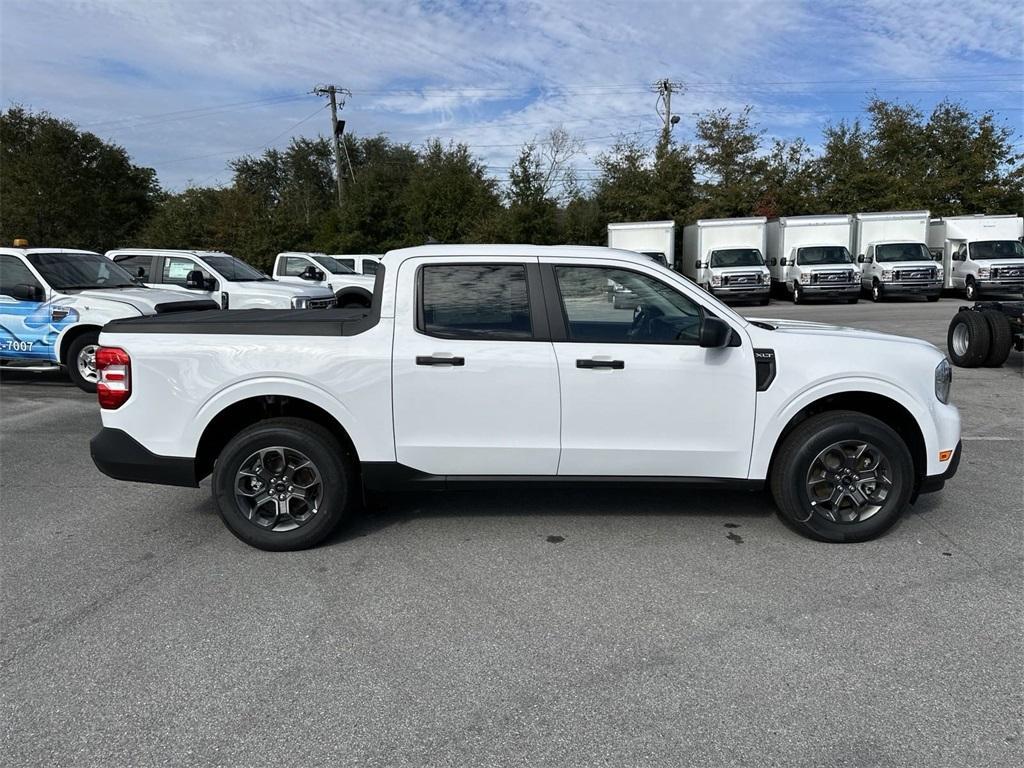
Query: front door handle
x=617 y=365
x=431 y=360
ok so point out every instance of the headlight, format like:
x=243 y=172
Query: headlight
x=300 y=302
x=716 y=280
x=983 y=273
x=943 y=379
x=887 y=274
x=805 y=277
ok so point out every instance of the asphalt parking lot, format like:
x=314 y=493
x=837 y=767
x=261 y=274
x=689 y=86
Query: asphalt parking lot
x=620 y=628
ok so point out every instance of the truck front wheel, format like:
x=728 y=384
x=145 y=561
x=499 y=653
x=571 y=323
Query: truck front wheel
x=971 y=290
x=842 y=476
x=284 y=484
x=798 y=295
x=81 y=361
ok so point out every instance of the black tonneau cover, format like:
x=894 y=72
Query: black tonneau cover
x=254 y=322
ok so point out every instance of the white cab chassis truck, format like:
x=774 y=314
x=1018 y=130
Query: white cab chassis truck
x=809 y=258
x=491 y=364
x=979 y=254
x=892 y=251
x=654 y=239
x=350 y=288
x=54 y=301
x=725 y=257
x=229 y=281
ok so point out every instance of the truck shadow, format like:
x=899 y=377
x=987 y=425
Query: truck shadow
x=385 y=510
x=11 y=376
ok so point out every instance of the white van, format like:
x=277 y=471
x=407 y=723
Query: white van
x=893 y=255
x=654 y=239
x=809 y=257
x=350 y=288
x=726 y=257
x=54 y=301
x=230 y=282
x=979 y=254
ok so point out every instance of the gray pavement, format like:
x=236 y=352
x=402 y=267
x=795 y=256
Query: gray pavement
x=620 y=628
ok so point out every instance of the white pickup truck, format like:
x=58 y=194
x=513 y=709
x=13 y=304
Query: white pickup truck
x=489 y=364
x=350 y=288
x=221 y=277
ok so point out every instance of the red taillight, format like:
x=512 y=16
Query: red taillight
x=115 y=370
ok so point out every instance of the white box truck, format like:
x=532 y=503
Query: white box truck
x=809 y=257
x=892 y=251
x=654 y=239
x=726 y=257
x=980 y=254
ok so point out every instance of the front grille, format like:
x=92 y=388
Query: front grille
x=923 y=274
x=831 y=277
x=750 y=278
x=320 y=303
x=1008 y=272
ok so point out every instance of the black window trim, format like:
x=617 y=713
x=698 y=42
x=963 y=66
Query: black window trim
x=560 y=321
x=534 y=302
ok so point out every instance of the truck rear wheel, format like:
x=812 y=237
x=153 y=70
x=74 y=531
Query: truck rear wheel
x=968 y=339
x=842 y=476
x=1001 y=338
x=284 y=484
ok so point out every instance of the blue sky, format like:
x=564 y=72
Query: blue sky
x=187 y=85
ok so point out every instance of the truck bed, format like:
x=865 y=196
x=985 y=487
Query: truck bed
x=254 y=322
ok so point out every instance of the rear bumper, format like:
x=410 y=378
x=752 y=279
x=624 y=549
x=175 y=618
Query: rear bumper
x=118 y=455
x=934 y=483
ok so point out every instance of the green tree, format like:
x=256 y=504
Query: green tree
x=789 y=180
x=847 y=179
x=69 y=188
x=727 y=154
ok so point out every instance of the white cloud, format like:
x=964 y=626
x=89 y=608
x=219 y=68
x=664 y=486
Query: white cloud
x=493 y=73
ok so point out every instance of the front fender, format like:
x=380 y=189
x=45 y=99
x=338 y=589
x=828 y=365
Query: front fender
x=769 y=428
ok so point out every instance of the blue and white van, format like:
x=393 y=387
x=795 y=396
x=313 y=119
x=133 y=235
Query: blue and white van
x=54 y=301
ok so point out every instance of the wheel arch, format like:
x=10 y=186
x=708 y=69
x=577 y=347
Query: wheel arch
x=354 y=291
x=879 y=406
x=252 y=410
x=68 y=337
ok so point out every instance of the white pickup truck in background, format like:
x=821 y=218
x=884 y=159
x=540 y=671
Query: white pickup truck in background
x=489 y=364
x=350 y=288
x=53 y=302
x=893 y=255
x=229 y=281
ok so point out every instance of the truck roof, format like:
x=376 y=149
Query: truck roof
x=727 y=222
x=26 y=251
x=173 y=251
x=641 y=224
x=875 y=215
x=533 y=251
x=806 y=221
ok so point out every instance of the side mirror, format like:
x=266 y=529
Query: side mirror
x=860 y=259
x=783 y=262
x=195 y=281
x=696 y=264
x=312 y=273
x=715 y=333
x=26 y=292
x=772 y=261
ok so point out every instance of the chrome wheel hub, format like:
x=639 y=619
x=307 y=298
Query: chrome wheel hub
x=278 y=488
x=848 y=482
x=87 y=363
x=961 y=339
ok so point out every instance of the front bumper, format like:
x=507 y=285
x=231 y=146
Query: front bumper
x=830 y=289
x=1014 y=285
x=738 y=291
x=933 y=483
x=911 y=289
x=118 y=455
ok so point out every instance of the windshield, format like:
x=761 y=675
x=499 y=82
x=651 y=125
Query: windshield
x=737 y=257
x=234 y=269
x=71 y=271
x=902 y=252
x=823 y=254
x=997 y=249
x=331 y=264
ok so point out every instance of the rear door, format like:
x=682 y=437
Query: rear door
x=639 y=396
x=474 y=372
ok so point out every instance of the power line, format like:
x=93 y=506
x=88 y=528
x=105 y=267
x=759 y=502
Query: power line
x=189 y=114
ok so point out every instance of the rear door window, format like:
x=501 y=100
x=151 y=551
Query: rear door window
x=474 y=301
x=138 y=266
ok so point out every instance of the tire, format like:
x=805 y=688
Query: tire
x=968 y=339
x=799 y=459
x=335 y=490
x=1001 y=338
x=81 y=361
x=933 y=297
x=971 y=290
x=854 y=300
x=764 y=301
x=876 y=292
x=349 y=300
x=798 y=296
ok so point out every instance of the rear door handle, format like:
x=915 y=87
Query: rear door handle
x=431 y=360
x=617 y=365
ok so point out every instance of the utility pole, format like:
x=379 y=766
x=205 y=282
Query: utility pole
x=665 y=88
x=333 y=92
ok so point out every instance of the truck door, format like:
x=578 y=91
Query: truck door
x=959 y=263
x=639 y=396
x=474 y=373
x=289 y=269
x=29 y=327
